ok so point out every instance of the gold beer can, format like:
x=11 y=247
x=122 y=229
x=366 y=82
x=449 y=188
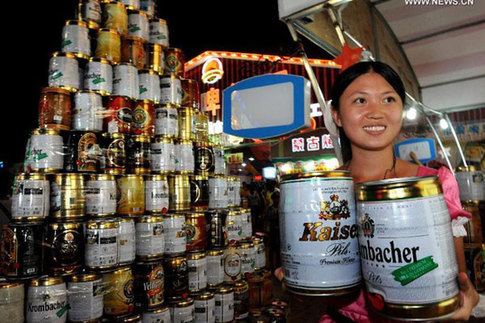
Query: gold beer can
x=132 y=195
x=68 y=198
x=185 y=118
x=115 y=16
x=119 y=298
x=179 y=193
x=108 y=45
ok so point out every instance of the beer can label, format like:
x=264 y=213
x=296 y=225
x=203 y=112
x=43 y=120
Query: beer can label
x=184 y=158
x=159 y=33
x=163 y=156
x=205 y=310
x=63 y=72
x=183 y=314
x=98 y=77
x=125 y=82
x=100 y=197
x=47 y=304
x=46 y=152
x=92 y=11
x=85 y=300
x=150 y=239
x=224 y=307
x=471 y=185
x=75 y=39
x=127 y=238
x=138 y=25
x=215 y=269
x=232 y=266
x=30 y=198
x=156 y=317
x=170 y=90
x=101 y=247
x=156 y=196
x=166 y=122
x=197 y=274
x=149 y=87
x=175 y=235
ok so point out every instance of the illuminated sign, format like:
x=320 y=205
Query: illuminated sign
x=212 y=71
x=210 y=101
x=312 y=143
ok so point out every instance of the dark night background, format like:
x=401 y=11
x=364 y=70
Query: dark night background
x=194 y=26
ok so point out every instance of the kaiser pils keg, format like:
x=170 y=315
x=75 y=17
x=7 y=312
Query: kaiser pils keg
x=232 y=264
x=12 y=302
x=113 y=157
x=132 y=195
x=158 y=315
x=30 y=197
x=85 y=297
x=163 y=155
x=101 y=246
x=195 y=227
x=144 y=118
x=155 y=58
x=68 y=199
x=55 y=109
x=156 y=194
x=98 y=76
x=139 y=155
x=197 y=265
x=64 y=248
x=150 y=237
x=224 y=310
x=119 y=115
x=170 y=90
x=21 y=250
x=108 y=45
x=138 y=25
x=127 y=239
x=45 y=151
x=159 y=32
x=149 y=284
x=406 y=248
x=176 y=275
x=115 y=16
x=471 y=183
x=119 y=298
x=81 y=153
x=179 y=192
x=133 y=51
x=149 y=83
x=101 y=195
x=174 y=62
x=88 y=111
x=175 y=234
x=215 y=267
x=205 y=304
x=64 y=71
x=166 y=121
x=47 y=300
x=184 y=157
x=317 y=221
x=75 y=39
x=125 y=81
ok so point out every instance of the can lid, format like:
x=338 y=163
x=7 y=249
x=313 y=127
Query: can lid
x=67 y=225
x=200 y=177
x=158 y=310
x=124 y=64
x=99 y=60
x=150 y=219
x=76 y=22
x=55 y=90
x=215 y=252
x=195 y=215
x=108 y=30
x=125 y=219
x=164 y=139
x=63 y=54
x=7 y=285
x=159 y=20
x=142 y=138
x=225 y=290
x=334 y=173
x=84 y=277
x=114 y=135
x=46 y=281
x=240 y=283
x=186 y=302
x=155 y=177
x=204 y=296
x=184 y=142
x=27 y=176
x=196 y=255
x=101 y=177
x=102 y=223
x=41 y=131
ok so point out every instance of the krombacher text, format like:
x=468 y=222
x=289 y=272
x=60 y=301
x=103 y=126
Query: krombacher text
x=391 y=254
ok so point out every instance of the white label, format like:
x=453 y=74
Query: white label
x=100 y=197
x=98 y=77
x=319 y=247
x=224 y=307
x=63 y=71
x=183 y=314
x=233 y=228
x=217 y=193
x=215 y=270
x=46 y=151
x=127 y=238
x=138 y=25
x=149 y=87
x=205 y=310
x=170 y=90
x=150 y=238
x=260 y=256
x=47 y=304
x=471 y=185
x=125 y=81
x=159 y=33
x=101 y=247
x=184 y=158
x=166 y=121
x=85 y=300
x=158 y=317
x=163 y=156
x=30 y=198
x=175 y=235
x=156 y=196
x=75 y=39
x=89 y=112
x=197 y=274
x=407 y=250
x=248 y=260
x=219 y=164
x=232 y=265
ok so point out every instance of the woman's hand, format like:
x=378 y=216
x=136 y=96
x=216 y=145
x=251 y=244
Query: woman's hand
x=468 y=298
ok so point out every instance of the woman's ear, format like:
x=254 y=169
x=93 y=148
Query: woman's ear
x=336 y=116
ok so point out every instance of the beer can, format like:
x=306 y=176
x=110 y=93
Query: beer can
x=195 y=227
x=133 y=51
x=149 y=284
x=197 y=266
x=64 y=248
x=144 y=118
x=205 y=304
x=247 y=228
x=215 y=268
x=191 y=93
x=392 y=248
x=175 y=235
x=217 y=238
x=101 y=195
x=150 y=7
x=139 y=155
x=471 y=183
x=45 y=151
x=101 y=244
x=113 y=156
x=119 y=297
x=98 y=76
x=184 y=157
x=241 y=300
x=170 y=90
x=150 y=237
x=166 y=121
x=132 y=195
x=115 y=16
x=64 y=71
x=21 y=250
x=219 y=167
x=199 y=192
x=127 y=239
x=260 y=254
x=149 y=83
x=331 y=194
x=224 y=310
x=163 y=155
x=131 y=4
x=108 y=45
x=185 y=123
x=81 y=152
x=75 y=39
x=85 y=297
x=232 y=264
x=130 y=318
x=68 y=198
x=260 y=290
x=159 y=32
x=217 y=192
x=231 y=191
x=90 y=11
x=233 y=227
x=179 y=193
x=204 y=157
x=155 y=58
x=248 y=257
x=125 y=81
x=88 y=112
x=55 y=109
x=200 y=127
x=158 y=315
x=138 y=25
x=174 y=62
x=176 y=275
x=30 y=197
x=47 y=300
x=156 y=194
x=183 y=311
x=12 y=301
x=119 y=115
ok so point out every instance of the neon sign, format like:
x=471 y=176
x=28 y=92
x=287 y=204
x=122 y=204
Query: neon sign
x=212 y=71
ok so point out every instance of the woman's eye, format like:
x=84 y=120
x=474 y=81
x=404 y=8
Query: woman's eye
x=390 y=99
x=359 y=100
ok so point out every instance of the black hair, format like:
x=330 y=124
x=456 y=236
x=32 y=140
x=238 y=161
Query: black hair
x=345 y=78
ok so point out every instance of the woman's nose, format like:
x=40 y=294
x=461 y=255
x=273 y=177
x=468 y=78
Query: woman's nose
x=374 y=110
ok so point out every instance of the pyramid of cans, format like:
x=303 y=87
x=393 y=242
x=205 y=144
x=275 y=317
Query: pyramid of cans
x=123 y=212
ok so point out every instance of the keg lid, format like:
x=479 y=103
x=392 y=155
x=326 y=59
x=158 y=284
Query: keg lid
x=7 y=285
x=84 y=278
x=101 y=177
x=102 y=223
x=204 y=296
x=99 y=60
x=185 y=303
x=42 y=131
x=150 y=219
x=225 y=290
x=63 y=54
x=107 y=30
x=159 y=20
x=114 y=135
x=46 y=281
x=76 y=23
x=155 y=177
x=55 y=90
x=333 y=173
x=196 y=255
x=215 y=252
x=142 y=138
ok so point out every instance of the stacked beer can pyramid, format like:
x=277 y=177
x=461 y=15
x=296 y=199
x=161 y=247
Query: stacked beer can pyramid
x=123 y=212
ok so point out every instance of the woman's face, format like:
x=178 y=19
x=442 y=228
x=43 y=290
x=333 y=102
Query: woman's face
x=370 y=112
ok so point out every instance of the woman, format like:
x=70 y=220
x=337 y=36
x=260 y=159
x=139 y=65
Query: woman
x=367 y=106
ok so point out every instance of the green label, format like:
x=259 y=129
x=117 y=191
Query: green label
x=134 y=29
x=63 y=310
x=56 y=75
x=40 y=156
x=408 y=273
x=143 y=90
x=162 y=37
x=98 y=80
x=66 y=43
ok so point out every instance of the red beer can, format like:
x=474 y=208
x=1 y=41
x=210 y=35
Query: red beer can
x=118 y=115
x=174 y=62
x=144 y=118
x=191 y=93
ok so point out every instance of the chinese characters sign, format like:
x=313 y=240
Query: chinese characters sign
x=312 y=143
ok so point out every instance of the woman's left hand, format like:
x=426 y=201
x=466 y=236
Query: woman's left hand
x=468 y=298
